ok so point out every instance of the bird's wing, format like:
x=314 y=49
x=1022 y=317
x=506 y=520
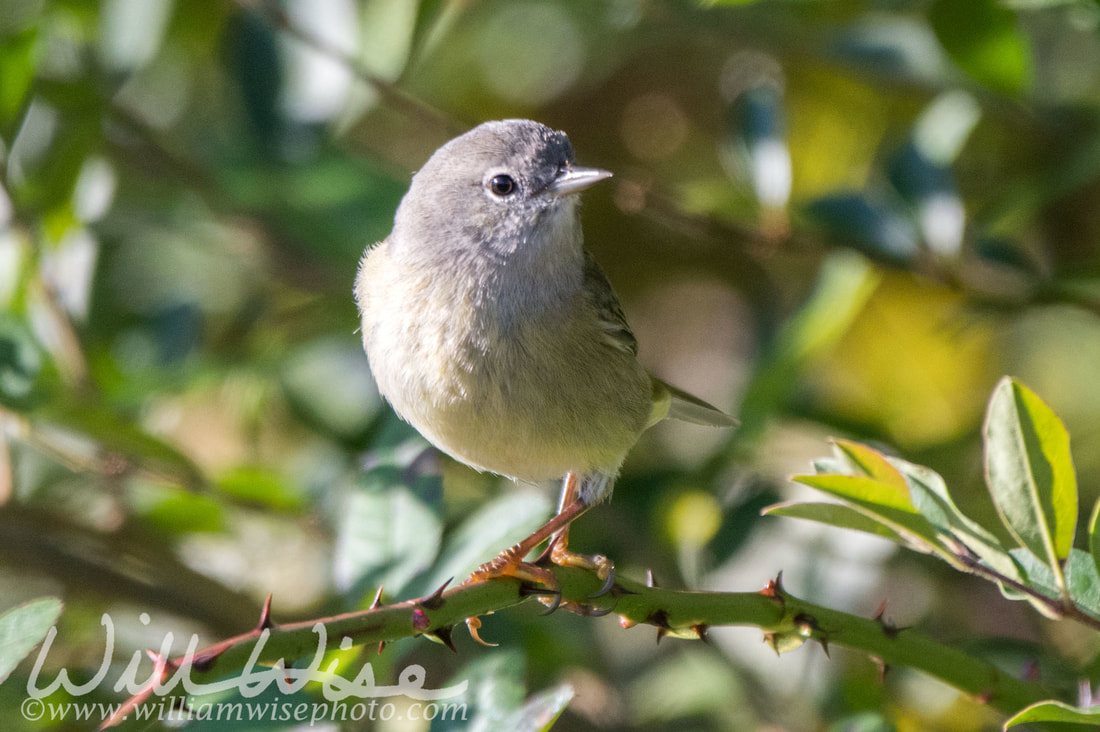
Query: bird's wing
x=613 y=323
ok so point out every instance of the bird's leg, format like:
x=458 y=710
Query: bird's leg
x=559 y=542
x=509 y=563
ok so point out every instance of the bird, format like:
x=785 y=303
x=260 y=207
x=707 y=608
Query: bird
x=491 y=329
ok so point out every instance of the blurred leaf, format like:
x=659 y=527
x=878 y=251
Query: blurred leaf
x=539 y=712
x=17 y=70
x=485 y=533
x=175 y=512
x=494 y=689
x=981 y=36
x=844 y=283
x=881 y=231
x=1030 y=472
x=328 y=381
x=24 y=627
x=863 y=722
x=20 y=365
x=262 y=486
x=1056 y=711
x=388 y=529
x=116 y=434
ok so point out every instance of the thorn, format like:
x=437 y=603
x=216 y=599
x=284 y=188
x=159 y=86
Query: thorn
x=701 y=631
x=420 y=621
x=650 y=582
x=473 y=624
x=659 y=618
x=882 y=668
x=377 y=601
x=529 y=590
x=435 y=600
x=265 y=616
x=774 y=588
x=824 y=641
x=443 y=635
x=381 y=647
x=206 y=661
x=661 y=633
x=619 y=591
x=888 y=628
x=772 y=639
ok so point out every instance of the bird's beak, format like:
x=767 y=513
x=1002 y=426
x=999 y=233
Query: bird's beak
x=572 y=180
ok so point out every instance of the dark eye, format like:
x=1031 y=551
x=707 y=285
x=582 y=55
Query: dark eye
x=502 y=185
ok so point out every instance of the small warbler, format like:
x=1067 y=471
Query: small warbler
x=491 y=330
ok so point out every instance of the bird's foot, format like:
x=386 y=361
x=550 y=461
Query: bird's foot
x=535 y=580
x=598 y=563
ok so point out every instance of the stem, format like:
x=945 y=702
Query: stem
x=784 y=619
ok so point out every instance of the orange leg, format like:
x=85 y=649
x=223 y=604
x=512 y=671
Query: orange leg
x=510 y=562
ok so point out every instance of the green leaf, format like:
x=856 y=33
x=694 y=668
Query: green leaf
x=1083 y=582
x=883 y=503
x=982 y=38
x=863 y=489
x=17 y=69
x=870 y=462
x=928 y=492
x=835 y=514
x=1030 y=472
x=24 y=627
x=1055 y=711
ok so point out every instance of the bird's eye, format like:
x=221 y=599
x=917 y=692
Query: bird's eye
x=502 y=185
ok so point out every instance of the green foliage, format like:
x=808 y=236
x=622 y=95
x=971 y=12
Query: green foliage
x=1033 y=486
x=24 y=627
x=827 y=218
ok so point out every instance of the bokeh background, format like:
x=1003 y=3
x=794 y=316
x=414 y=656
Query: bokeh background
x=831 y=218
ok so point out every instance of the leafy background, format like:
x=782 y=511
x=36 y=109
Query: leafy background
x=833 y=218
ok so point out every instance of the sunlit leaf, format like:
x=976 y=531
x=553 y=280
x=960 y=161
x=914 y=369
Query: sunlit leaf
x=872 y=463
x=24 y=627
x=1056 y=711
x=863 y=489
x=1030 y=472
x=835 y=514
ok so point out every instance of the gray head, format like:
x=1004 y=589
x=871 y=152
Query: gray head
x=498 y=190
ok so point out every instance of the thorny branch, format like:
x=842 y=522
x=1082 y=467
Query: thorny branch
x=786 y=621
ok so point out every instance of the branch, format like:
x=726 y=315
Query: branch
x=785 y=620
